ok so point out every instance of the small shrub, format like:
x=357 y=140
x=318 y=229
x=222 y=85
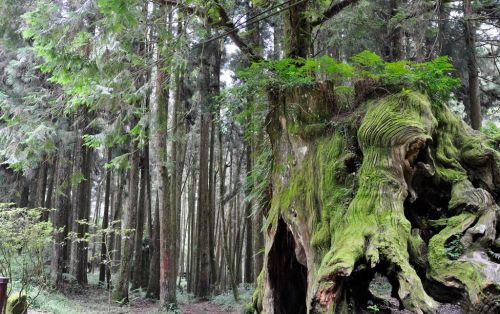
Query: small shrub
x=24 y=241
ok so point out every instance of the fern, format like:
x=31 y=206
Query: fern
x=433 y=77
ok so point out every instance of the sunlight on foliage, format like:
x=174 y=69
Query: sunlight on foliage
x=433 y=77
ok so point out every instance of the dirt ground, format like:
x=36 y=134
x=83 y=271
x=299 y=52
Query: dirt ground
x=203 y=307
x=94 y=301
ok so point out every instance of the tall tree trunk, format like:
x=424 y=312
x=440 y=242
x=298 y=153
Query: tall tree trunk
x=203 y=280
x=470 y=46
x=298 y=29
x=153 y=290
x=226 y=249
x=81 y=203
x=248 y=269
x=41 y=187
x=50 y=183
x=116 y=238
x=167 y=226
x=139 y=230
x=215 y=65
x=63 y=206
x=95 y=224
x=191 y=279
x=120 y=292
x=104 y=271
x=150 y=215
x=393 y=45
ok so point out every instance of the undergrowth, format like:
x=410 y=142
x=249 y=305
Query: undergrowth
x=226 y=300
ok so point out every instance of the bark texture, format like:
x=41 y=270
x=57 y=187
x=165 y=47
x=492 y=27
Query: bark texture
x=393 y=203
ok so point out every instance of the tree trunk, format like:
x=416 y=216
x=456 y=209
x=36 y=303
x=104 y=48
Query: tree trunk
x=226 y=250
x=167 y=225
x=63 y=206
x=203 y=277
x=215 y=66
x=154 y=264
x=50 y=183
x=104 y=271
x=298 y=40
x=41 y=187
x=81 y=203
x=139 y=230
x=116 y=223
x=393 y=44
x=377 y=207
x=120 y=292
x=192 y=232
x=248 y=270
x=470 y=46
x=97 y=210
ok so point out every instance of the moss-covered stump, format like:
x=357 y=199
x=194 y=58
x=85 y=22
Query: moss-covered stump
x=398 y=193
x=17 y=304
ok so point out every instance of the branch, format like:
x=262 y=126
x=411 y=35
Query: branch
x=227 y=24
x=182 y=7
x=332 y=11
x=229 y=196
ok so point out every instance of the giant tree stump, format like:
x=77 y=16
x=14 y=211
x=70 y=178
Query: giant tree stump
x=390 y=204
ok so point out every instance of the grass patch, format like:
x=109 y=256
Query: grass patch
x=226 y=300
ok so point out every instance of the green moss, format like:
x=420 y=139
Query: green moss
x=17 y=304
x=336 y=188
x=360 y=216
x=374 y=225
x=258 y=293
x=444 y=269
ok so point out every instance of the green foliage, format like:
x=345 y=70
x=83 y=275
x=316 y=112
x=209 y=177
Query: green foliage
x=454 y=248
x=492 y=131
x=119 y=162
x=373 y=308
x=367 y=59
x=23 y=240
x=432 y=77
x=257 y=182
x=228 y=303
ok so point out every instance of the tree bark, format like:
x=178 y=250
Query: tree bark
x=139 y=230
x=154 y=265
x=203 y=277
x=120 y=292
x=470 y=46
x=226 y=250
x=63 y=206
x=104 y=271
x=248 y=269
x=81 y=203
x=167 y=225
x=356 y=205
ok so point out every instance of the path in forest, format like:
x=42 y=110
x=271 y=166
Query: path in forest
x=204 y=307
x=93 y=300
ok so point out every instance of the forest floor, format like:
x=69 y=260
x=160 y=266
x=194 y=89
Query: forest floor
x=94 y=300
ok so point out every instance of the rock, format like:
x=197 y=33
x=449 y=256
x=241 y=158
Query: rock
x=17 y=304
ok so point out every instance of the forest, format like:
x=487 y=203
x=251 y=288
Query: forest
x=249 y=156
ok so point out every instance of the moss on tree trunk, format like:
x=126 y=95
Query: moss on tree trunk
x=388 y=205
